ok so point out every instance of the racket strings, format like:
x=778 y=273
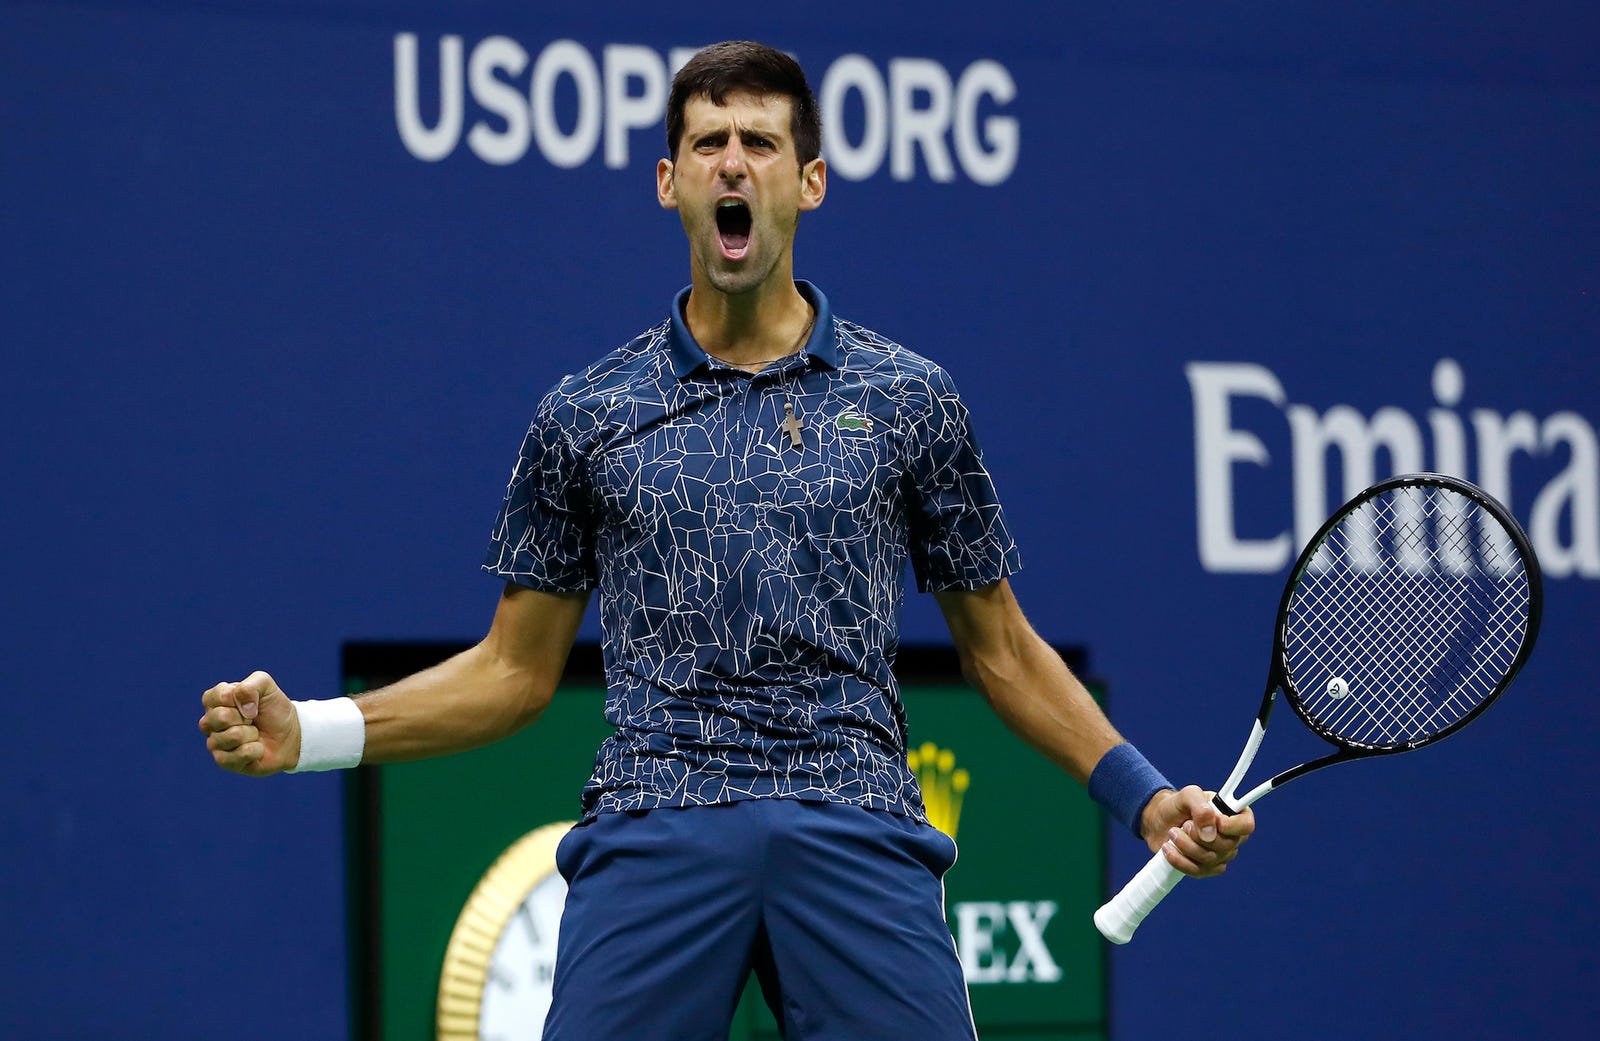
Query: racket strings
x=1392 y=706
x=1427 y=624
x=1432 y=613
x=1418 y=604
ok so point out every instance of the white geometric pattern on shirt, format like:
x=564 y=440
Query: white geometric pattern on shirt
x=751 y=591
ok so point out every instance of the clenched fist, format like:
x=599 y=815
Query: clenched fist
x=251 y=727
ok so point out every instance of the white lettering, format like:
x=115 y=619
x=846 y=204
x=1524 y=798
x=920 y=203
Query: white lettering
x=494 y=55
x=979 y=924
x=565 y=57
x=1033 y=960
x=1358 y=442
x=1500 y=438
x=1217 y=446
x=625 y=111
x=918 y=107
x=1564 y=523
x=429 y=145
x=1576 y=491
x=919 y=127
x=854 y=162
x=992 y=165
x=1449 y=455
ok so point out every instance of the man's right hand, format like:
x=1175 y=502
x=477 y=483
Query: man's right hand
x=251 y=727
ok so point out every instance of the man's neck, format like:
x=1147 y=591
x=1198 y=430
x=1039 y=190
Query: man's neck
x=749 y=329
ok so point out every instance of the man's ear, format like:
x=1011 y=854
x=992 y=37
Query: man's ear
x=813 y=183
x=664 y=192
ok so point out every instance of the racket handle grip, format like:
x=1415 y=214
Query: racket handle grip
x=1121 y=915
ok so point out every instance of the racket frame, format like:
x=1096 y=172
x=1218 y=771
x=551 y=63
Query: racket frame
x=1278 y=673
x=1120 y=916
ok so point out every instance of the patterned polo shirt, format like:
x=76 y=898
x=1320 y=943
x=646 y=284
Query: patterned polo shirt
x=751 y=571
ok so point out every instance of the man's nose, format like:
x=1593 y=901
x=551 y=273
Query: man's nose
x=732 y=167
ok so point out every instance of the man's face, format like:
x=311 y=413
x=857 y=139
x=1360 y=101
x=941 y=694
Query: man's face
x=739 y=189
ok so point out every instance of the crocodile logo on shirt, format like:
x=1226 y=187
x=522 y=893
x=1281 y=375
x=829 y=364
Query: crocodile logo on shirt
x=851 y=420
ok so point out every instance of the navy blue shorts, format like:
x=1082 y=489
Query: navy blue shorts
x=838 y=910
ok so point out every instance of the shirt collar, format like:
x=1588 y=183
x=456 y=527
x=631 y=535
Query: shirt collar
x=822 y=345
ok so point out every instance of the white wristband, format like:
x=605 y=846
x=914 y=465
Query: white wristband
x=333 y=734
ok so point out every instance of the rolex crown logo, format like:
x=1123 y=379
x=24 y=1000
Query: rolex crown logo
x=943 y=785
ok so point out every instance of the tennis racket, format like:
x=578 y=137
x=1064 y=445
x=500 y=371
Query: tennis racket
x=1406 y=615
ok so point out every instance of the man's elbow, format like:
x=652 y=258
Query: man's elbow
x=529 y=694
x=524 y=689
x=970 y=671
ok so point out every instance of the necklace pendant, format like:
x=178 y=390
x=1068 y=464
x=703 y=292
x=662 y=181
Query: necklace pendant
x=792 y=425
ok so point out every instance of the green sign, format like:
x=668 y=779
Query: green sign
x=423 y=836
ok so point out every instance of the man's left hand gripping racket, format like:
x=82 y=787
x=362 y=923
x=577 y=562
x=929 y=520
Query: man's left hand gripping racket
x=1408 y=613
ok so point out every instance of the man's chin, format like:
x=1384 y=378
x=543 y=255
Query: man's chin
x=736 y=281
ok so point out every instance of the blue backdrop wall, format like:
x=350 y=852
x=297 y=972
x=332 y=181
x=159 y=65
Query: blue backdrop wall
x=283 y=281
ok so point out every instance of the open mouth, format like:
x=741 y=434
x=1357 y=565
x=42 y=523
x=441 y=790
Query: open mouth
x=733 y=227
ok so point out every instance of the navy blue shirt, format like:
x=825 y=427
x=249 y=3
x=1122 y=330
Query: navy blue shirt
x=750 y=588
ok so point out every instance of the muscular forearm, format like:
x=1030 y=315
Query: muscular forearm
x=1041 y=701
x=470 y=700
x=1036 y=695
x=1025 y=680
x=481 y=695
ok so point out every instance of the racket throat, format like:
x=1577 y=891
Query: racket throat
x=1225 y=800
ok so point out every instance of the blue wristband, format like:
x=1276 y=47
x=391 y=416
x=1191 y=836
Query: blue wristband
x=1123 y=782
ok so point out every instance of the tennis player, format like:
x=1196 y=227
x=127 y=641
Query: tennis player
x=744 y=484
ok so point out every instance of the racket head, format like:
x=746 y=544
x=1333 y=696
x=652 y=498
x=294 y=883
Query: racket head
x=1408 y=613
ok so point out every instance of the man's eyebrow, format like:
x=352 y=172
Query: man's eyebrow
x=721 y=131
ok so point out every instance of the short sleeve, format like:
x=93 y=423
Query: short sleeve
x=544 y=535
x=959 y=538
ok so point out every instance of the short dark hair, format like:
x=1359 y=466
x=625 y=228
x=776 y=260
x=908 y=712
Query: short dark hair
x=740 y=65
